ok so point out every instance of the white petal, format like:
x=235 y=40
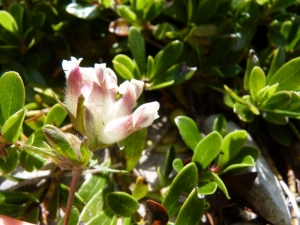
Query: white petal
x=144 y=115
x=69 y=65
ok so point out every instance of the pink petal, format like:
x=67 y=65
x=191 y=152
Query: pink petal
x=144 y=115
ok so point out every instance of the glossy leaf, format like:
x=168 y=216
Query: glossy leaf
x=141 y=188
x=178 y=164
x=181 y=186
x=233 y=95
x=13 y=126
x=122 y=204
x=287 y=76
x=8 y=22
x=31 y=162
x=277 y=62
x=192 y=209
x=220 y=124
x=294 y=103
x=104 y=217
x=232 y=144
x=252 y=108
x=126 y=13
x=134 y=145
x=9 y=165
x=243 y=112
x=14 y=197
x=278 y=101
x=276 y=37
x=275 y=118
x=137 y=48
x=153 y=9
x=12 y=95
x=207 y=188
x=74 y=217
x=207 y=150
x=257 y=81
x=188 y=130
x=124 y=66
x=170 y=156
x=63 y=196
x=167 y=57
x=252 y=61
x=266 y=93
x=209 y=176
x=206 y=10
x=56 y=115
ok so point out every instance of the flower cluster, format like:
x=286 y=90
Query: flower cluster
x=94 y=107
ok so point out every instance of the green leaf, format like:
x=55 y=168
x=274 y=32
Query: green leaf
x=14 y=197
x=266 y=93
x=63 y=196
x=232 y=144
x=252 y=108
x=91 y=186
x=287 y=76
x=10 y=163
x=207 y=150
x=234 y=95
x=252 y=61
x=8 y=22
x=137 y=48
x=104 y=217
x=257 y=81
x=206 y=10
x=209 y=176
x=220 y=124
x=153 y=9
x=276 y=37
x=281 y=4
x=188 y=130
x=192 y=210
x=243 y=112
x=56 y=115
x=150 y=66
x=122 y=204
x=12 y=95
x=125 y=12
x=294 y=103
x=17 y=11
x=31 y=162
x=74 y=217
x=167 y=57
x=124 y=66
x=278 y=101
x=141 y=188
x=13 y=126
x=207 y=188
x=277 y=62
x=275 y=118
x=178 y=164
x=281 y=133
x=181 y=186
x=170 y=156
x=134 y=145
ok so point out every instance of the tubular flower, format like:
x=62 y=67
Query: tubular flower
x=92 y=104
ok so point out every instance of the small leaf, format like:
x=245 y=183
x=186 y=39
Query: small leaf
x=233 y=95
x=252 y=61
x=278 y=101
x=153 y=9
x=137 y=48
x=277 y=62
x=12 y=95
x=188 y=130
x=275 y=118
x=31 y=162
x=209 y=176
x=257 y=81
x=192 y=210
x=141 y=188
x=150 y=66
x=276 y=37
x=178 y=164
x=74 y=217
x=56 y=115
x=167 y=57
x=207 y=188
x=125 y=12
x=232 y=144
x=122 y=204
x=206 y=10
x=243 y=112
x=8 y=22
x=170 y=156
x=104 y=217
x=14 y=197
x=124 y=66
x=220 y=124
x=295 y=102
x=134 y=146
x=287 y=76
x=13 y=126
x=253 y=109
x=10 y=163
x=266 y=93
x=182 y=185
x=207 y=150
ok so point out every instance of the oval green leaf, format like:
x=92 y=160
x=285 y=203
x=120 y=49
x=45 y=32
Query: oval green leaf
x=207 y=150
x=257 y=81
x=188 y=130
x=181 y=186
x=13 y=126
x=122 y=204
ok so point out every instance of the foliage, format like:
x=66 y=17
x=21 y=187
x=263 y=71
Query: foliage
x=235 y=58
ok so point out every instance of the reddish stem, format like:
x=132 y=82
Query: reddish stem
x=75 y=178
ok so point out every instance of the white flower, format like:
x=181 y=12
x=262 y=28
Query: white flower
x=94 y=109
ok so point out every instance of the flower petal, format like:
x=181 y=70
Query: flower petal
x=144 y=115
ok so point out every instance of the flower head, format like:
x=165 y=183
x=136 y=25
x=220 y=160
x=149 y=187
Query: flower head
x=92 y=104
